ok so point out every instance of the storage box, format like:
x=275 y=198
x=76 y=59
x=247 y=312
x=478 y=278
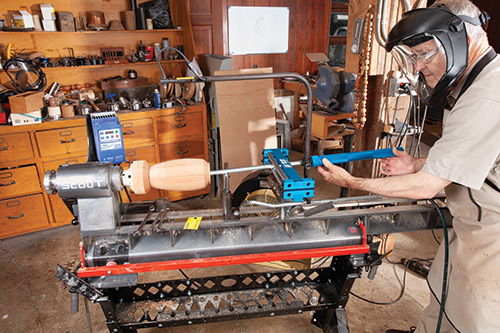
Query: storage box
x=48 y=12
x=23 y=19
x=29 y=118
x=26 y=102
x=49 y=25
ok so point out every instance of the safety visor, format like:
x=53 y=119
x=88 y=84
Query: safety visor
x=22 y=73
x=423 y=61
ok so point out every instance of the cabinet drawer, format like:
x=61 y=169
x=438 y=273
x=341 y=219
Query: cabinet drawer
x=138 y=132
x=15 y=147
x=192 y=148
x=62 y=215
x=21 y=215
x=19 y=181
x=62 y=141
x=172 y=128
x=53 y=165
x=135 y=154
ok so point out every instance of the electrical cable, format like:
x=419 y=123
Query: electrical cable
x=188 y=63
x=401 y=294
x=435 y=238
x=445 y=269
x=128 y=194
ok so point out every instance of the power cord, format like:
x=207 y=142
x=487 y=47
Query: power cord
x=445 y=269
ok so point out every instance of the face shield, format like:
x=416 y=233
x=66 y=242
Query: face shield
x=423 y=62
x=25 y=74
x=431 y=47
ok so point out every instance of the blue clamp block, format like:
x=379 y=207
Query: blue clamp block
x=295 y=188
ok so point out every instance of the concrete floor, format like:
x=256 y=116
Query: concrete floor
x=34 y=300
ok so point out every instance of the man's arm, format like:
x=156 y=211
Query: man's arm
x=419 y=185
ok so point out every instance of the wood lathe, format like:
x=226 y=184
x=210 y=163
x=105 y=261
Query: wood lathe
x=122 y=240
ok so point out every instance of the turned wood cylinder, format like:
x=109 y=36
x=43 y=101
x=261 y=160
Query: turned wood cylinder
x=187 y=174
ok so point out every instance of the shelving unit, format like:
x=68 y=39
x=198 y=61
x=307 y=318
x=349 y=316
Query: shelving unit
x=55 y=45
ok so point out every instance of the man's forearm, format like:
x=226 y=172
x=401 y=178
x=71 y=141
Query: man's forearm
x=420 y=185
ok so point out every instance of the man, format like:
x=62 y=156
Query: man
x=450 y=62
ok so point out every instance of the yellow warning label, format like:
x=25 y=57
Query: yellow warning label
x=192 y=223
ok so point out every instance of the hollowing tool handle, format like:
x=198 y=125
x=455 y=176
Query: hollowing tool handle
x=317 y=161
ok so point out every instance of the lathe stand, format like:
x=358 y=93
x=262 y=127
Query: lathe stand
x=234 y=297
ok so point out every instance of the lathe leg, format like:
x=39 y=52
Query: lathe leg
x=334 y=319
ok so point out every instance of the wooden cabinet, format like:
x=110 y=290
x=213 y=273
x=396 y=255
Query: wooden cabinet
x=27 y=152
x=151 y=135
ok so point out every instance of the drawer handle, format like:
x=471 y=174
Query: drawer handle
x=183 y=152
x=4 y=148
x=8 y=184
x=180 y=125
x=129 y=133
x=68 y=141
x=15 y=217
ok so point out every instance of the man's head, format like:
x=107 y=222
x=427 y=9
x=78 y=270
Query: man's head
x=432 y=45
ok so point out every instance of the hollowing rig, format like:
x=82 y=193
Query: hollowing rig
x=121 y=240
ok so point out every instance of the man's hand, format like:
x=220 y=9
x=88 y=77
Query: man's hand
x=334 y=174
x=402 y=164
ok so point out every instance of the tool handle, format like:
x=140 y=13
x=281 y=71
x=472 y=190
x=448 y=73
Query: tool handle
x=317 y=161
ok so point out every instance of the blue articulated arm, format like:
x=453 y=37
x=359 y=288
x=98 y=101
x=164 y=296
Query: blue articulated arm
x=317 y=161
x=296 y=188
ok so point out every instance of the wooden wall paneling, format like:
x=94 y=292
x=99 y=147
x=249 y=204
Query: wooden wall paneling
x=201 y=12
x=308 y=33
x=203 y=39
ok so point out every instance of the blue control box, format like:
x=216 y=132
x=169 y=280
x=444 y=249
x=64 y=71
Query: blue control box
x=108 y=137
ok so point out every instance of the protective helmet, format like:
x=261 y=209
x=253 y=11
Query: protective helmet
x=448 y=32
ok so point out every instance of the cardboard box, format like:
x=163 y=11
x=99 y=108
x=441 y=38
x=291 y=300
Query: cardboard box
x=49 y=25
x=48 y=12
x=29 y=118
x=26 y=102
x=23 y=19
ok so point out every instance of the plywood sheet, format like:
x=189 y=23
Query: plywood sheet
x=247 y=121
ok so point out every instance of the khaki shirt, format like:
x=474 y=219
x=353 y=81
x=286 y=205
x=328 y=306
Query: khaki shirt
x=467 y=153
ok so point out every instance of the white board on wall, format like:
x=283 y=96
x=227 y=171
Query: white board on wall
x=257 y=30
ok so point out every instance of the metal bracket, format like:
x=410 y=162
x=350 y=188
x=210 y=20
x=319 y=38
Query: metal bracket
x=77 y=284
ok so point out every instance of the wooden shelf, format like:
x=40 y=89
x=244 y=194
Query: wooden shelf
x=59 y=33
x=113 y=65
